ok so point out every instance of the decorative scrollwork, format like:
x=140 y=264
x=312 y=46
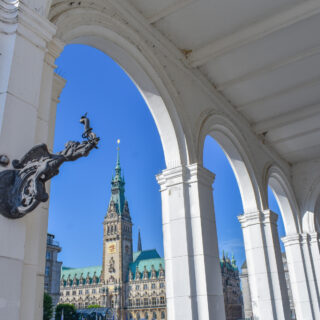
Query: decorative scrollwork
x=23 y=188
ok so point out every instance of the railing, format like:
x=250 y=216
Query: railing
x=52 y=242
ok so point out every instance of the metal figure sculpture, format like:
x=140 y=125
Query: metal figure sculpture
x=23 y=188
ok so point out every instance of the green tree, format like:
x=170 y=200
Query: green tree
x=92 y=306
x=69 y=311
x=47 y=307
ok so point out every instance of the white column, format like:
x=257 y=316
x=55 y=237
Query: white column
x=23 y=39
x=315 y=254
x=298 y=277
x=37 y=222
x=193 y=274
x=265 y=268
x=310 y=272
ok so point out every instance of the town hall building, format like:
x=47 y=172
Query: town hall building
x=132 y=283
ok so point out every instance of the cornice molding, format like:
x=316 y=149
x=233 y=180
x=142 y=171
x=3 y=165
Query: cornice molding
x=34 y=27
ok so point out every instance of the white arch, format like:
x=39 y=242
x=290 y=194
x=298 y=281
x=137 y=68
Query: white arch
x=101 y=31
x=311 y=209
x=230 y=140
x=285 y=197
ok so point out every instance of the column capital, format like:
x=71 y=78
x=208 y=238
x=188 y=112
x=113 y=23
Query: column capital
x=185 y=174
x=8 y=16
x=291 y=239
x=257 y=217
x=305 y=238
x=314 y=237
x=32 y=26
x=57 y=86
x=54 y=48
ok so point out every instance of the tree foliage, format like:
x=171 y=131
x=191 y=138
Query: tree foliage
x=47 y=307
x=92 y=306
x=69 y=311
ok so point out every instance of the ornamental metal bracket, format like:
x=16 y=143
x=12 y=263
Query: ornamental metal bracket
x=23 y=188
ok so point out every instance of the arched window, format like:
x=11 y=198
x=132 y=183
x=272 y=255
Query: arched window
x=146 y=316
x=111 y=229
x=154 y=315
x=130 y=316
x=108 y=229
x=163 y=315
x=115 y=228
x=138 y=316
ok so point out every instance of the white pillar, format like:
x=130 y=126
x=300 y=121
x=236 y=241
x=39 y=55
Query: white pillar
x=23 y=39
x=310 y=272
x=315 y=254
x=300 y=288
x=37 y=222
x=265 y=268
x=193 y=274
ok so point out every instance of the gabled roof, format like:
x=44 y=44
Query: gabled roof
x=145 y=254
x=146 y=259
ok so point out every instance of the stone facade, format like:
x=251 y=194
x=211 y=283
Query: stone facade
x=231 y=288
x=52 y=269
x=133 y=283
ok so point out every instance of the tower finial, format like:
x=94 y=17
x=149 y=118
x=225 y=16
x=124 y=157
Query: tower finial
x=118 y=155
x=139 y=241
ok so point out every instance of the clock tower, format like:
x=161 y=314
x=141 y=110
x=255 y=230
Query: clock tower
x=117 y=243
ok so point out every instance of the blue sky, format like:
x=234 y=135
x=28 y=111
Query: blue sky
x=80 y=193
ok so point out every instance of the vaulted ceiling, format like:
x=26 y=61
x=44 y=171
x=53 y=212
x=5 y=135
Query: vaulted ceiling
x=262 y=55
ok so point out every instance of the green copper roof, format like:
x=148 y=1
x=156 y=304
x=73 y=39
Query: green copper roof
x=73 y=273
x=229 y=264
x=148 y=259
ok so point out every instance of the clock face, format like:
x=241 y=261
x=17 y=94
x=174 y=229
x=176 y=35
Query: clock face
x=112 y=248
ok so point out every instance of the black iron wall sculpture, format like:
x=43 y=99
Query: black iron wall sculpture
x=23 y=188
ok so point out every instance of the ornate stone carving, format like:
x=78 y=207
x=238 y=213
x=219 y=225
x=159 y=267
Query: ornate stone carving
x=23 y=188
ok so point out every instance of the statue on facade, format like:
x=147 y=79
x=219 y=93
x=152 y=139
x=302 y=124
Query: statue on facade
x=23 y=188
x=111 y=265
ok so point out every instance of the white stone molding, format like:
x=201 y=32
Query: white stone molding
x=193 y=274
x=265 y=268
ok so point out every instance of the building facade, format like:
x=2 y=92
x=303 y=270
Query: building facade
x=133 y=283
x=52 y=269
x=231 y=288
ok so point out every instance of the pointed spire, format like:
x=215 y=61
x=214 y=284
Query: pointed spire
x=139 y=242
x=117 y=186
x=118 y=156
